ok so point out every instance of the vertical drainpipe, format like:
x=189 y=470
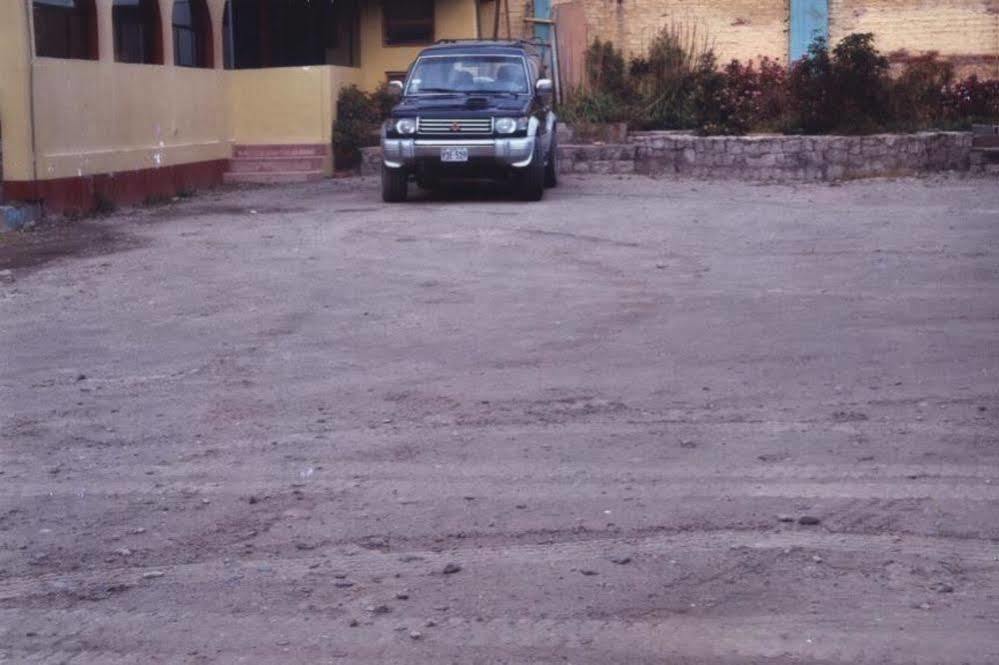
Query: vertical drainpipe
x=30 y=28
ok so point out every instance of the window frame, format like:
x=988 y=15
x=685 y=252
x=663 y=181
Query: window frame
x=386 y=42
x=153 y=53
x=201 y=31
x=83 y=11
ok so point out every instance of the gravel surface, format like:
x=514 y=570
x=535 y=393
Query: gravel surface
x=640 y=422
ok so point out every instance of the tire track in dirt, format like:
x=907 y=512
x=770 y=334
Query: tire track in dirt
x=936 y=481
x=770 y=638
x=981 y=553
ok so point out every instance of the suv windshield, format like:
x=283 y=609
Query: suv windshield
x=468 y=73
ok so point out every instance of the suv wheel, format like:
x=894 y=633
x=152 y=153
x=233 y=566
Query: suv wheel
x=531 y=180
x=395 y=185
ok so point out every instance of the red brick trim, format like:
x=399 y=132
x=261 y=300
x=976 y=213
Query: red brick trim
x=83 y=194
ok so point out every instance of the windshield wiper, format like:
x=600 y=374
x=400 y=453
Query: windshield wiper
x=500 y=92
x=445 y=90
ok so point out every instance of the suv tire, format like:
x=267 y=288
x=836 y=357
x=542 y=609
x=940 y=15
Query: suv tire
x=395 y=185
x=531 y=180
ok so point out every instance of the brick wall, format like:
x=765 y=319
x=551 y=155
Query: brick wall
x=736 y=28
x=966 y=31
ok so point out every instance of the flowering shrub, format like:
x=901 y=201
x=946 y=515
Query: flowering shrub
x=973 y=100
x=774 y=105
x=742 y=98
x=728 y=101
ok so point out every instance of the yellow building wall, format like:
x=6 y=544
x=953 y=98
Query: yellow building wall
x=120 y=117
x=15 y=107
x=102 y=116
x=455 y=19
x=286 y=105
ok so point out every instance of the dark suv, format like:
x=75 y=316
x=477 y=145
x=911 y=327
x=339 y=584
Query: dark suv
x=472 y=109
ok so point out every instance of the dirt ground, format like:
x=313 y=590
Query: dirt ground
x=640 y=422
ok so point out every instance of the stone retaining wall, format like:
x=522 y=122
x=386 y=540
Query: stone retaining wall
x=775 y=157
x=766 y=158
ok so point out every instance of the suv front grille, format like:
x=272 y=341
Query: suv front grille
x=455 y=126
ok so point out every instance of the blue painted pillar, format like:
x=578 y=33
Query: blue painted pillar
x=809 y=19
x=543 y=10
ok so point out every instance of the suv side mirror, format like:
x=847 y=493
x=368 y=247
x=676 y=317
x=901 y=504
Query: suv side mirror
x=395 y=88
x=545 y=88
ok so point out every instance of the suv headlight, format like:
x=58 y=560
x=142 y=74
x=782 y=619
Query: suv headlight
x=406 y=126
x=510 y=125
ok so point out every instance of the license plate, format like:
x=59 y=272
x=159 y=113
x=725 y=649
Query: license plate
x=454 y=154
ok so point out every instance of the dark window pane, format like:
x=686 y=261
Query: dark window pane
x=137 y=31
x=65 y=29
x=408 y=21
x=290 y=33
x=192 y=34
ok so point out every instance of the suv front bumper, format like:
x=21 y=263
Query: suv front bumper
x=406 y=153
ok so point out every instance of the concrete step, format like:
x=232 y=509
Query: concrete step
x=272 y=178
x=275 y=164
x=285 y=151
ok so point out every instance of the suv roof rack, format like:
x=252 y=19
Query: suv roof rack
x=488 y=40
x=493 y=42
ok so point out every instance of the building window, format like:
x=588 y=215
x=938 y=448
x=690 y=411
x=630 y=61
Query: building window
x=192 y=34
x=408 y=22
x=290 y=33
x=137 y=34
x=65 y=29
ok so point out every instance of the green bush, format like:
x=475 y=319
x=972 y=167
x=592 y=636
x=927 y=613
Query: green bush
x=810 y=84
x=918 y=94
x=605 y=70
x=383 y=101
x=655 y=91
x=358 y=116
x=861 y=85
x=669 y=77
x=607 y=95
x=847 y=91
x=594 y=107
